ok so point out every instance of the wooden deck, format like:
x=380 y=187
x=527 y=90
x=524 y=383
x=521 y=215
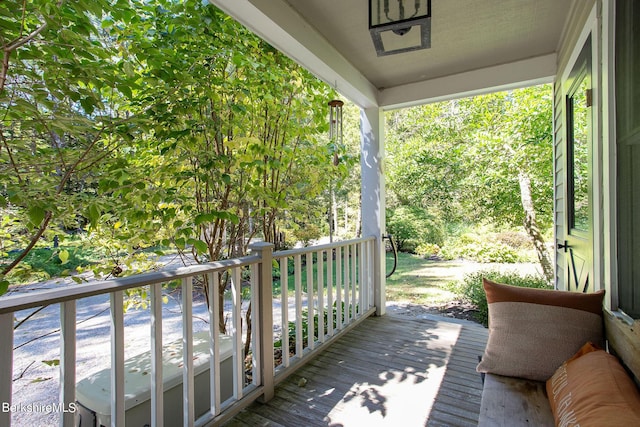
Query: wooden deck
x=388 y=371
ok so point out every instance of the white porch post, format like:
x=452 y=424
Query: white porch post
x=373 y=195
x=264 y=311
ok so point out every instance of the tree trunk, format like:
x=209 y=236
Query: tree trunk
x=346 y=216
x=531 y=226
x=247 y=343
x=222 y=326
x=359 y=218
x=334 y=207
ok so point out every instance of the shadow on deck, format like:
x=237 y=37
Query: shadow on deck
x=388 y=371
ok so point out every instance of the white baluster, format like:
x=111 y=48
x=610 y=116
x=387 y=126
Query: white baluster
x=238 y=350
x=320 y=266
x=6 y=369
x=345 y=266
x=284 y=288
x=214 y=342
x=310 y=309
x=354 y=277
x=187 y=352
x=330 y=315
x=298 y=280
x=157 y=385
x=339 y=288
x=117 y=359
x=67 y=361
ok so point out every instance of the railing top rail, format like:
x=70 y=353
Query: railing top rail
x=13 y=303
x=308 y=249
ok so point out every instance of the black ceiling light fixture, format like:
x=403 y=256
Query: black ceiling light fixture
x=399 y=26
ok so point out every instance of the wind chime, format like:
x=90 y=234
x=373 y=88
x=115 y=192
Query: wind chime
x=335 y=126
x=335 y=135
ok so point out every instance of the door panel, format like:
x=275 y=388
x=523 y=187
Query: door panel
x=627 y=80
x=579 y=268
x=578 y=243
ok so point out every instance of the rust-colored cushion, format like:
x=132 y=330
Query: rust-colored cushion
x=593 y=389
x=533 y=331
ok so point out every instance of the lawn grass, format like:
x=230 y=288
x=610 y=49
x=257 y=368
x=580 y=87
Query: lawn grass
x=44 y=263
x=416 y=280
x=277 y=286
x=421 y=281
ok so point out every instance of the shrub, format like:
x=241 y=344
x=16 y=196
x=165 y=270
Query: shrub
x=515 y=239
x=291 y=327
x=483 y=243
x=427 y=249
x=470 y=288
x=411 y=226
x=409 y=245
x=480 y=250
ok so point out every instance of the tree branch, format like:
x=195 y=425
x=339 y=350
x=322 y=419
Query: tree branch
x=19 y=42
x=49 y=214
x=32 y=243
x=7 y=49
x=11 y=159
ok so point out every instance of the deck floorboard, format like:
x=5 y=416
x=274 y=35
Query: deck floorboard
x=390 y=370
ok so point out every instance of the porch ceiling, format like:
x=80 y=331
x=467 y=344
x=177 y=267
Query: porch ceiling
x=476 y=46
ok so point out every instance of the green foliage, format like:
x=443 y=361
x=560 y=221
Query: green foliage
x=291 y=328
x=141 y=123
x=427 y=249
x=45 y=263
x=61 y=118
x=303 y=232
x=480 y=250
x=462 y=158
x=471 y=290
x=411 y=226
x=514 y=239
x=277 y=274
x=482 y=244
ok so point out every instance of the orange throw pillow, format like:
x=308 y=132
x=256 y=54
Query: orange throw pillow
x=593 y=389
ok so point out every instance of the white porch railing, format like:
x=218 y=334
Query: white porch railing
x=339 y=294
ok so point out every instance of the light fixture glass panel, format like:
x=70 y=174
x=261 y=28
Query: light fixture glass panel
x=391 y=41
x=398 y=26
x=389 y=11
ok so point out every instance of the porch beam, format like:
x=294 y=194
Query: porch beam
x=276 y=22
x=373 y=196
x=528 y=72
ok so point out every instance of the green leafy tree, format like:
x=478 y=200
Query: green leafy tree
x=487 y=158
x=60 y=116
x=411 y=226
x=154 y=122
x=511 y=148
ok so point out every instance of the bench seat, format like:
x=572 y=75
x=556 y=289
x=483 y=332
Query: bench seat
x=514 y=402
